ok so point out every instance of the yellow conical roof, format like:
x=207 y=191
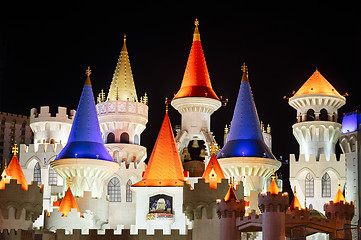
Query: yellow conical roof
x=122 y=87
x=273 y=188
x=295 y=204
x=339 y=195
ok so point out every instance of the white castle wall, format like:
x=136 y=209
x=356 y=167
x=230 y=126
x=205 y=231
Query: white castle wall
x=336 y=169
x=73 y=220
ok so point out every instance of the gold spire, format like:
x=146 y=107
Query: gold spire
x=122 y=87
x=213 y=148
x=196 y=35
x=87 y=81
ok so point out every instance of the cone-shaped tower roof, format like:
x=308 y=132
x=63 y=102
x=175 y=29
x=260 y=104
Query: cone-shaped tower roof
x=273 y=188
x=339 y=195
x=245 y=137
x=230 y=194
x=68 y=203
x=164 y=167
x=295 y=204
x=14 y=171
x=85 y=139
x=196 y=81
x=122 y=87
x=317 y=84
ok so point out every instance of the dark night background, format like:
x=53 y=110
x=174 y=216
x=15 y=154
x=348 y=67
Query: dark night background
x=46 y=47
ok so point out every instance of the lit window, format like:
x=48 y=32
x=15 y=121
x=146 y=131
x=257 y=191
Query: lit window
x=114 y=190
x=129 y=191
x=53 y=177
x=326 y=185
x=37 y=174
x=309 y=185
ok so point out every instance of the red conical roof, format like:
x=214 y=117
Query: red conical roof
x=164 y=167
x=230 y=194
x=68 y=203
x=196 y=81
x=213 y=167
x=14 y=171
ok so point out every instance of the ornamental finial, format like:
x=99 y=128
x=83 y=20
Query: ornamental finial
x=15 y=149
x=88 y=71
x=69 y=182
x=213 y=148
x=196 y=22
x=125 y=37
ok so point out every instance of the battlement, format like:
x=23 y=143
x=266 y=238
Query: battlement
x=126 y=234
x=40 y=148
x=312 y=159
x=233 y=206
x=13 y=115
x=12 y=196
x=45 y=115
x=17 y=234
x=74 y=220
x=273 y=203
x=123 y=107
x=341 y=210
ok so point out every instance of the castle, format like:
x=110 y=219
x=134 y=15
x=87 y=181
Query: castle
x=90 y=180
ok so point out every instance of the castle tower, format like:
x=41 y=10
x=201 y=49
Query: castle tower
x=49 y=129
x=84 y=160
x=122 y=118
x=21 y=204
x=350 y=145
x=159 y=195
x=342 y=212
x=273 y=206
x=245 y=156
x=195 y=101
x=317 y=170
x=228 y=209
x=317 y=129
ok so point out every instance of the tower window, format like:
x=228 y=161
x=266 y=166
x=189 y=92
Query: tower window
x=323 y=115
x=111 y=138
x=310 y=115
x=37 y=174
x=309 y=185
x=124 y=138
x=326 y=185
x=129 y=192
x=114 y=190
x=53 y=177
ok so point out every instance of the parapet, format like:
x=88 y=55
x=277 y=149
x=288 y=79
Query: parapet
x=122 y=107
x=45 y=116
x=126 y=234
x=231 y=208
x=268 y=202
x=341 y=210
x=18 y=234
x=312 y=158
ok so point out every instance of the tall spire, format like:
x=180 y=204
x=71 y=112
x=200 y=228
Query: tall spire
x=85 y=139
x=164 y=166
x=196 y=81
x=245 y=137
x=122 y=87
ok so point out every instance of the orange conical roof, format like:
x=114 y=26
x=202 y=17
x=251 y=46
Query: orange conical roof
x=339 y=195
x=295 y=204
x=213 y=172
x=317 y=84
x=230 y=194
x=67 y=203
x=164 y=167
x=196 y=81
x=14 y=171
x=273 y=188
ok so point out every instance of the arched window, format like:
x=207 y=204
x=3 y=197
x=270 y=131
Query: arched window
x=114 y=190
x=309 y=185
x=136 y=139
x=53 y=177
x=129 y=192
x=326 y=185
x=124 y=138
x=323 y=115
x=37 y=174
x=310 y=115
x=111 y=138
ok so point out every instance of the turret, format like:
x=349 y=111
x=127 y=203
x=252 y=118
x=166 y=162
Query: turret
x=342 y=212
x=195 y=101
x=228 y=209
x=84 y=160
x=273 y=206
x=245 y=155
x=317 y=129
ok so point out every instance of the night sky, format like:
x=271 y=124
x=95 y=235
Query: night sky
x=46 y=48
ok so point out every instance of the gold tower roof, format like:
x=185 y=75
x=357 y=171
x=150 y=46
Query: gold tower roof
x=122 y=87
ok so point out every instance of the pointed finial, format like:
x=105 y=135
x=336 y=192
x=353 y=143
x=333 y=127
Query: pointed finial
x=245 y=72
x=88 y=71
x=196 y=22
x=15 y=149
x=339 y=183
x=295 y=193
x=6 y=165
x=69 y=182
x=273 y=176
x=125 y=37
x=196 y=35
x=167 y=102
x=213 y=148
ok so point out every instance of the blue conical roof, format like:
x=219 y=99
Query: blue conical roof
x=245 y=137
x=85 y=139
